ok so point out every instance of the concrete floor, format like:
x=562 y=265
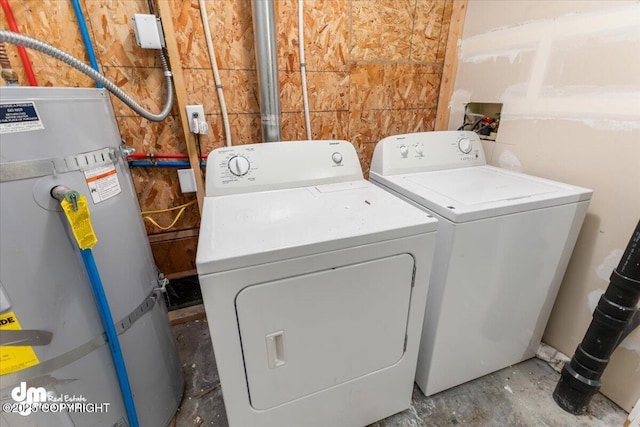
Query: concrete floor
x=519 y=395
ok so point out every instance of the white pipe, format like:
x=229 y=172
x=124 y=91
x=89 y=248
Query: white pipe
x=303 y=68
x=216 y=74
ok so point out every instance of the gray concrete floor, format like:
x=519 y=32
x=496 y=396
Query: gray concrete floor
x=519 y=395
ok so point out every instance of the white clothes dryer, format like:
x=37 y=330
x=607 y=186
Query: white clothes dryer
x=314 y=283
x=504 y=242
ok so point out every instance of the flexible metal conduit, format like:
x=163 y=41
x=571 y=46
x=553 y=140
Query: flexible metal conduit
x=264 y=32
x=85 y=37
x=31 y=43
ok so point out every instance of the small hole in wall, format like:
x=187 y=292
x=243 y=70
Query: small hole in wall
x=482 y=118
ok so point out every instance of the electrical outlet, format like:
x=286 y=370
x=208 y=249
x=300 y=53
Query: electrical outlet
x=197 y=122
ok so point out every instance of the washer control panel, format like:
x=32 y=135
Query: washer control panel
x=278 y=165
x=427 y=151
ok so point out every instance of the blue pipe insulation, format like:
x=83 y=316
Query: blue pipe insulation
x=112 y=334
x=147 y=163
x=85 y=37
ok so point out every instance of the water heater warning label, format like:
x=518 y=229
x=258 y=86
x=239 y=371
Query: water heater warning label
x=14 y=357
x=19 y=117
x=103 y=183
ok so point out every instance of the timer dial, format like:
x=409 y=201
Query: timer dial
x=239 y=165
x=464 y=145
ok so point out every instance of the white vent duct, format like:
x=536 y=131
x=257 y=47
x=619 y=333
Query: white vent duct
x=264 y=30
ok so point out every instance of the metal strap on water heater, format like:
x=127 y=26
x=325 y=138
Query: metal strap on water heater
x=79 y=352
x=25 y=169
x=145 y=306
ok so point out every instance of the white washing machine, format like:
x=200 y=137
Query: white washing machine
x=314 y=282
x=504 y=241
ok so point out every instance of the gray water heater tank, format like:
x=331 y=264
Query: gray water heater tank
x=50 y=331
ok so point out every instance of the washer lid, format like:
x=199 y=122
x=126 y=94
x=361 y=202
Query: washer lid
x=254 y=228
x=481 y=192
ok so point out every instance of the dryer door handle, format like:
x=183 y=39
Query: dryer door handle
x=275 y=350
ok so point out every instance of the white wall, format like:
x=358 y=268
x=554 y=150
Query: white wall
x=568 y=74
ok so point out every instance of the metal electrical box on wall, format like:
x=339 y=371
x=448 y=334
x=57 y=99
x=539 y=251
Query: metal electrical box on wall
x=148 y=31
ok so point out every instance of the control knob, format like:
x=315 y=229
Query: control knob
x=239 y=165
x=404 y=151
x=419 y=149
x=464 y=145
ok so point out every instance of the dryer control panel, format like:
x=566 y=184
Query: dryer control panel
x=427 y=151
x=278 y=165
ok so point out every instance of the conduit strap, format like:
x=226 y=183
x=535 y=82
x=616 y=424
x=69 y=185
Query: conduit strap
x=25 y=169
x=79 y=352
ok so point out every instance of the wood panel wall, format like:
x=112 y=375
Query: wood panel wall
x=374 y=69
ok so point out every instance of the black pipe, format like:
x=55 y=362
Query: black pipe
x=614 y=318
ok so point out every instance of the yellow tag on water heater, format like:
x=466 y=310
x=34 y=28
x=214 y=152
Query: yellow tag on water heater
x=79 y=218
x=14 y=357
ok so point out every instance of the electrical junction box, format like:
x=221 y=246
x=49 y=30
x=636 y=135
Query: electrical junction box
x=187 y=180
x=148 y=31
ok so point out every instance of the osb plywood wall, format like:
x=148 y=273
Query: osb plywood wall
x=374 y=69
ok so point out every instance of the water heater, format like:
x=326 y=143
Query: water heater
x=51 y=336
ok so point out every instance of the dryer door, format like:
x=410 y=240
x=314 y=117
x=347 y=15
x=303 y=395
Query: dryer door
x=304 y=334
